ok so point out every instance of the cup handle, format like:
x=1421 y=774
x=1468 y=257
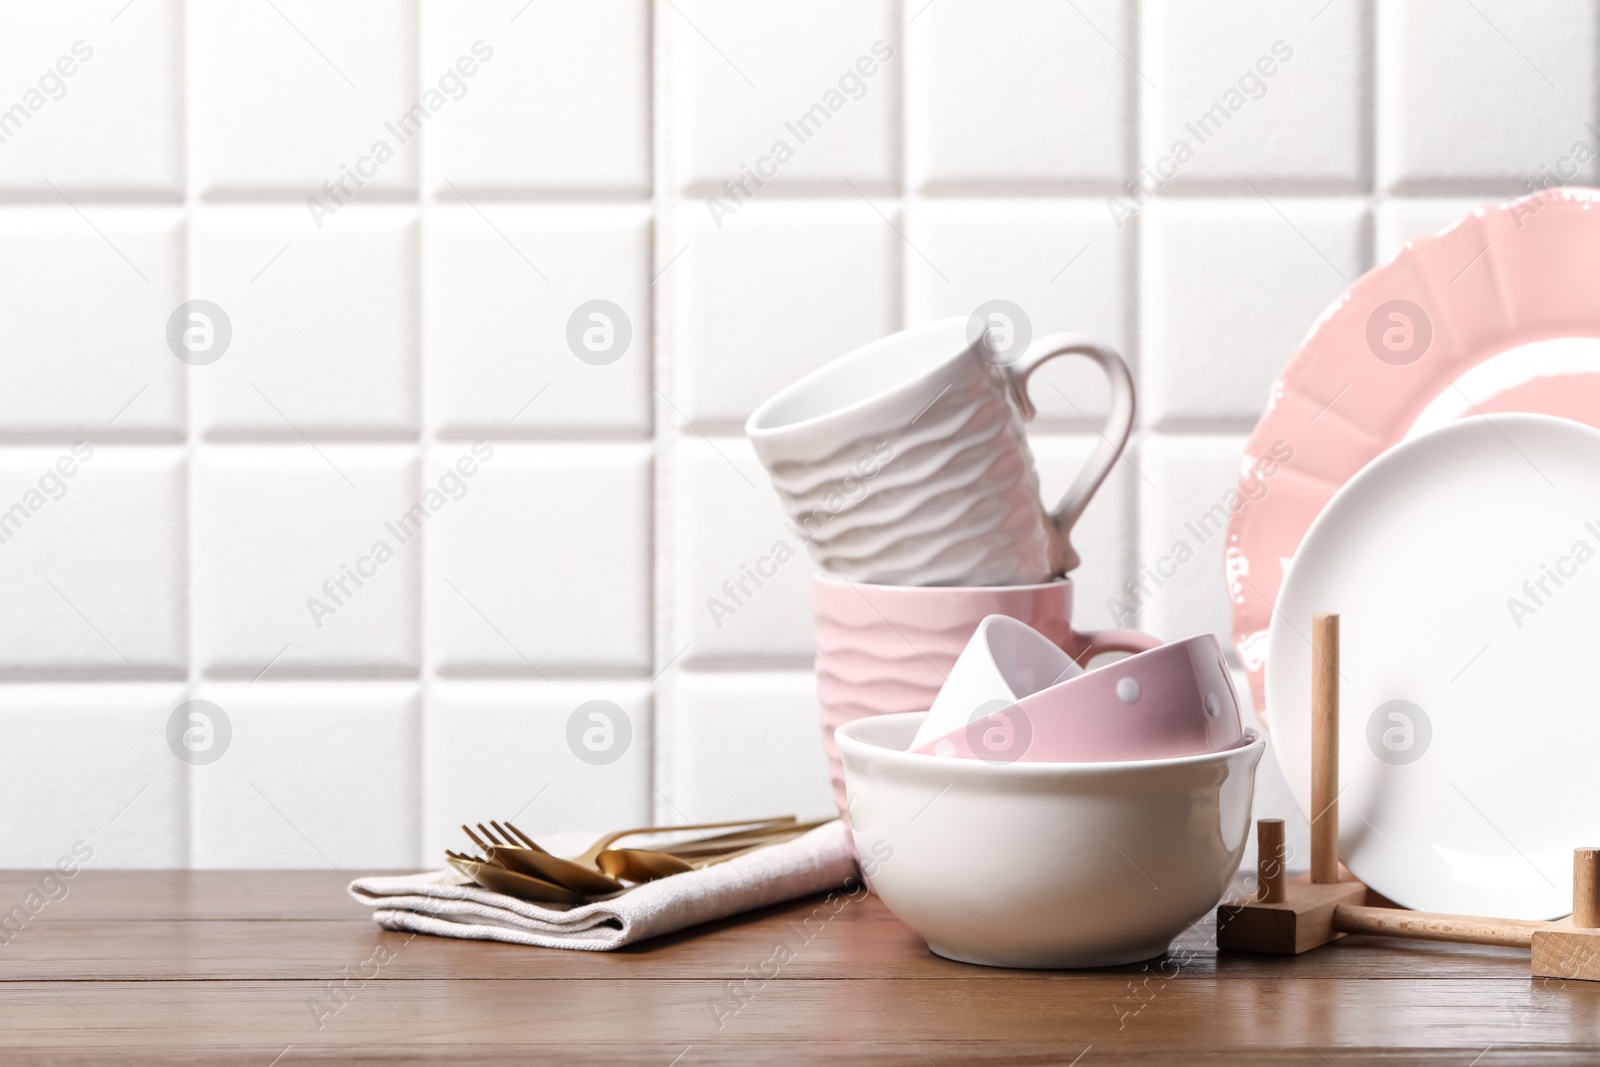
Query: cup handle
x=1098 y=642
x=1119 y=424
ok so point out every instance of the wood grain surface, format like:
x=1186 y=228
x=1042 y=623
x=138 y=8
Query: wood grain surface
x=280 y=968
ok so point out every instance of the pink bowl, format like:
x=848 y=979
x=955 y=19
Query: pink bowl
x=1176 y=700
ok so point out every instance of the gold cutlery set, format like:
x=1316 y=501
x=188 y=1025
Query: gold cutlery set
x=513 y=863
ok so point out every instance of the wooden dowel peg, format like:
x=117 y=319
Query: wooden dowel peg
x=1586 y=888
x=1433 y=926
x=1270 y=860
x=1325 y=749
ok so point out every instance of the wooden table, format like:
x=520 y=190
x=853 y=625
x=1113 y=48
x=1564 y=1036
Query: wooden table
x=282 y=968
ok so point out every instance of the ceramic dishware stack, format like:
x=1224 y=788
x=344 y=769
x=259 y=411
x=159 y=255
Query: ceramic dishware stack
x=1020 y=804
x=1175 y=700
x=1046 y=864
x=906 y=467
x=1041 y=815
x=1432 y=450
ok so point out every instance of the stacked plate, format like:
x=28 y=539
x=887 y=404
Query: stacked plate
x=1435 y=483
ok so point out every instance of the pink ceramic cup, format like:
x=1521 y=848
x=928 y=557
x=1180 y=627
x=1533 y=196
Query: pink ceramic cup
x=1176 y=700
x=884 y=649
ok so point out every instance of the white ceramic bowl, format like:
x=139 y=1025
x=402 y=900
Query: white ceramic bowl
x=1045 y=864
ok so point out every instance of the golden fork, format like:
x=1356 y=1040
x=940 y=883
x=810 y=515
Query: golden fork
x=537 y=875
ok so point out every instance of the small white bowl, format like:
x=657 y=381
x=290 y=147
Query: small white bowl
x=1045 y=864
x=1004 y=661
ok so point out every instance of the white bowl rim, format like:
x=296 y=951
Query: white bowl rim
x=961 y=765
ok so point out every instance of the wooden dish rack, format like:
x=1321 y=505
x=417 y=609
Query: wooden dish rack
x=1294 y=915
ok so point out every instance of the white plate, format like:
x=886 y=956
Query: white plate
x=1475 y=802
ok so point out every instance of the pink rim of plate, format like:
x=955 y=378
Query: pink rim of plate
x=1507 y=275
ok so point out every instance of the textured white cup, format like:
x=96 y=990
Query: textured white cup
x=905 y=462
x=1005 y=660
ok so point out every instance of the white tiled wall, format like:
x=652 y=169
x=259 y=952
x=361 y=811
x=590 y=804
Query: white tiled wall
x=969 y=151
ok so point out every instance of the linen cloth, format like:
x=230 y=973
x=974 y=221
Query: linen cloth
x=437 y=903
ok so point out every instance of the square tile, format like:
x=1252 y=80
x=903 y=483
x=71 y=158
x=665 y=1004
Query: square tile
x=1183 y=518
x=1496 y=97
x=315 y=775
x=501 y=361
x=743 y=589
x=95 y=99
x=776 y=292
x=536 y=754
x=86 y=350
x=1104 y=535
x=543 y=97
x=1061 y=261
x=89 y=765
x=746 y=746
x=1400 y=220
x=539 y=558
x=287 y=96
x=799 y=93
x=1255 y=91
x=92 y=559
x=1020 y=93
x=324 y=323
x=1231 y=287
x=300 y=568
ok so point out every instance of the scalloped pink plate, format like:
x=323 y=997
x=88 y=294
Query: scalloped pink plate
x=1500 y=312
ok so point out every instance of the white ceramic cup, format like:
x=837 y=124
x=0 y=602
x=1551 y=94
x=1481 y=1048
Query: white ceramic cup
x=905 y=462
x=1005 y=660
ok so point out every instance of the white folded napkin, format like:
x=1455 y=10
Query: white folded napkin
x=435 y=903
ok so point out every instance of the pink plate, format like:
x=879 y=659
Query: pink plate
x=1425 y=338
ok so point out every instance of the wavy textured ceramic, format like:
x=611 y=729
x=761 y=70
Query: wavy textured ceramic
x=1045 y=864
x=905 y=462
x=1005 y=659
x=1523 y=273
x=883 y=649
x=1465 y=566
x=1176 y=700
